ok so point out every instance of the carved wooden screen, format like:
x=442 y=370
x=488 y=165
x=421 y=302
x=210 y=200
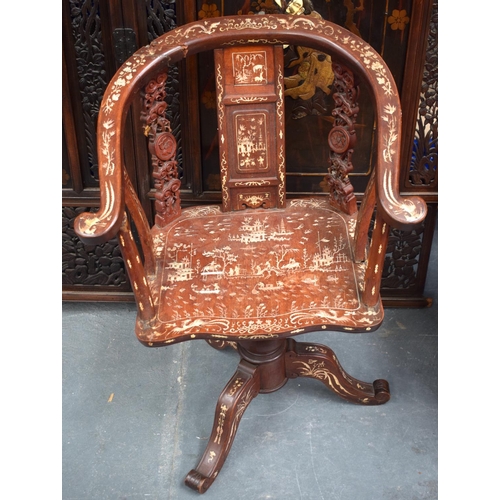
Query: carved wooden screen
x=99 y=35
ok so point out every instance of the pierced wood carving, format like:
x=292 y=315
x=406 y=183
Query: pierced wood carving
x=251 y=126
x=163 y=147
x=90 y=63
x=96 y=265
x=250 y=68
x=342 y=139
x=402 y=259
x=161 y=18
x=424 y=158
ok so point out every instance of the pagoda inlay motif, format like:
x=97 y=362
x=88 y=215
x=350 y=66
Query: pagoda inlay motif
x=251 y=141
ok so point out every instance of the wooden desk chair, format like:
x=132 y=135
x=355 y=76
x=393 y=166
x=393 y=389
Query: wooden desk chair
x=258 y=269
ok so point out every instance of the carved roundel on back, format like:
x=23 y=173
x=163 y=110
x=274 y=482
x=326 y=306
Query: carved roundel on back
x=165 y=146
x=339 y=140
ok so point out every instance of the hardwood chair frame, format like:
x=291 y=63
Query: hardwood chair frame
x=267 y=361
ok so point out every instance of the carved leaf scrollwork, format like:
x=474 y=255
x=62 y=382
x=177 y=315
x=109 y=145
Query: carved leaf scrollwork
x=161 y=18
x=342 y=139
x=402 y=258
x=90 y=64
x=89 y=264
x=163 y=147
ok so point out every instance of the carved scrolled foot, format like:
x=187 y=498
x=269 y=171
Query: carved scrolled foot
x=382 y=392
x=221 y=344
x=320 y=362
x=197 y=481
x=233 y=401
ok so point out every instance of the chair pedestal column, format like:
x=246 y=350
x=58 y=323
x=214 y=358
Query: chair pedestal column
x=269 y=357
x=265 y=367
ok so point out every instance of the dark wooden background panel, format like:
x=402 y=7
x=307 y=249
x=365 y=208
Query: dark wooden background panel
x=99 y=35
x=422 y=164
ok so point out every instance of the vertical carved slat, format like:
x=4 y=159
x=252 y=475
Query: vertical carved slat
x=161 y=18
x=342 y=139
x=163 y=147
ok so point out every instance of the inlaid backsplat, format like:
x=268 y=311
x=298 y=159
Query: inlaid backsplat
x=251 y=126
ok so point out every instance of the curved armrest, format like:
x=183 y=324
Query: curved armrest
x=96 y=228
x=397 y=211
x=208 y=34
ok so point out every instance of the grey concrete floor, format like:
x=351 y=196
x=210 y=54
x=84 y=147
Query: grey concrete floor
x=136 y=420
